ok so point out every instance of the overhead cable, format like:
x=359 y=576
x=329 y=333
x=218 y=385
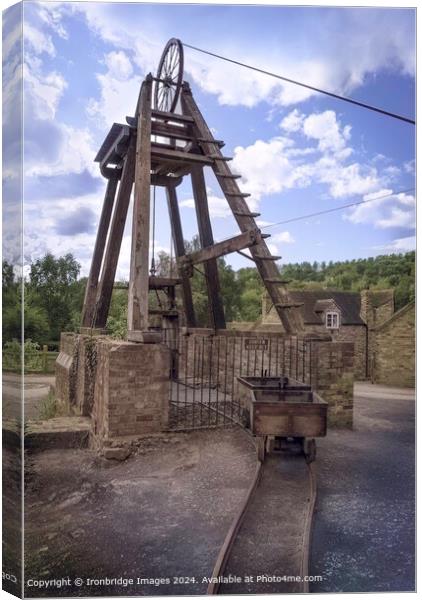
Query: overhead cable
x=330 y=210
x=305 y=85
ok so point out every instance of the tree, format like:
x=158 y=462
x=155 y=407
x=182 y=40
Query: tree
x=53 y=285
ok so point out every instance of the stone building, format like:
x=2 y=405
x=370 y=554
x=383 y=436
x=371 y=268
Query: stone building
x=393 y=349
x=345 y=316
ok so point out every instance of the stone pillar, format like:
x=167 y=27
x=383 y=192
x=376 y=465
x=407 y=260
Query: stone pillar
x=332 y=377
x=132 y=389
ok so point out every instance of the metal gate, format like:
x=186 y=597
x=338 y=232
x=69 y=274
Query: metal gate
x=205 y=391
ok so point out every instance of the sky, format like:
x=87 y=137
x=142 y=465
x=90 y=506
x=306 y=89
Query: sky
x=298 y=152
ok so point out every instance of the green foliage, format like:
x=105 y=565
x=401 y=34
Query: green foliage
x=12 y=356
x=117 y=317
x=387 y=271
x=48 y=408
x=54 y=294
x=54 y=287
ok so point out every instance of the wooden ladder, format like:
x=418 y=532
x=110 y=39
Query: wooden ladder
x=287 y=310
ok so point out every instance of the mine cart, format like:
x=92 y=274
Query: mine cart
x=283 y=411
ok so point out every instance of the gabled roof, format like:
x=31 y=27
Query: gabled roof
x=347 y=302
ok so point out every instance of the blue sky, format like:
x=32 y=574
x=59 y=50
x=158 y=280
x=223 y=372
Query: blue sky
x=298 y=152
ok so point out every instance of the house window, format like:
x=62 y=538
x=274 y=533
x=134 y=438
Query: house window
x=332 y=320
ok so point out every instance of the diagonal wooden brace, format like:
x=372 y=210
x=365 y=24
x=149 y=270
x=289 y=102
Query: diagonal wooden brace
x=239 y=242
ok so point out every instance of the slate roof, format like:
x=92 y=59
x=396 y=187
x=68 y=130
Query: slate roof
x=348 y=303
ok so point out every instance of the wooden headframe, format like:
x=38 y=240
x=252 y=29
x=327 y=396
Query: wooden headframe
x=157 y=148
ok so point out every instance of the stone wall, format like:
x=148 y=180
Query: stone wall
x=132 y=391
x=75 y=372
x=393 y=358
x=333 y=377
x=85 y=374
x=358 y=335
x=66 y=369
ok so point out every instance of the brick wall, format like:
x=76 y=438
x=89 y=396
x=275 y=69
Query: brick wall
x=393 y=359
x=358 y=335
x=131 y=390
x=333 y=365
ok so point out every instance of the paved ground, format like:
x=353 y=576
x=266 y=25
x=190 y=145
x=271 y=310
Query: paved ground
x=364 y=526
x=37 y=388
x=165 y=512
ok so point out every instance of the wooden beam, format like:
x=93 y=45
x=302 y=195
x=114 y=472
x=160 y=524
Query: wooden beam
x=155 y=283
x=171 y=131
x=175 y=117
x=239 y=242
x=179 y=250
x=165 y=180
x=158 y=152
x=160 y=283
x=137 y=314
x=218 y=319
x=88 y=310
x=114 y=241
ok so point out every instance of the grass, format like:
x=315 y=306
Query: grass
x=50 y=408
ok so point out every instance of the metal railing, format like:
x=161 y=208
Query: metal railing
x=205 y=391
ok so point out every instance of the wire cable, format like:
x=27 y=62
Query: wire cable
x=305 y=85
x=330 y=210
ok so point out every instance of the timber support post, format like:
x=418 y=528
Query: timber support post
x=111 y=258
x=139 y=276
x=97 y=258
x=180 y=251
x=218 y=320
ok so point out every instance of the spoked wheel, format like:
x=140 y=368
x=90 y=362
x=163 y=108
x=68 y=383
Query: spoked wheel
x=169 y=77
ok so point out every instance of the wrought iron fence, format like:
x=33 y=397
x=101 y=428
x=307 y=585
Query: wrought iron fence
x=205 y=391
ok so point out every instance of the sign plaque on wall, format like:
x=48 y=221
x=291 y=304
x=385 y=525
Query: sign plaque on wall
x=256 y=344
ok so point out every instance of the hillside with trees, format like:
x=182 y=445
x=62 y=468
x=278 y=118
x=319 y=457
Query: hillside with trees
x=54 y=292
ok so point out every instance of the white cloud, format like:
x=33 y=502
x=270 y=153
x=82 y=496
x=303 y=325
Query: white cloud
x=118 y=96
x=74 y=154
x=346 y=180
x=293 y=121
x=270 y=167
x=385 y=210
x=119 y=65
x=218 y=207
x=38 y=41
x=284 y=237
x=266 y=168
x=406 y=244
x=44 y=91
x=325 y=128
x=369 y=44
x=51 y=14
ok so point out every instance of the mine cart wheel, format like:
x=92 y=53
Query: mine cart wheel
x=261 y=442
x=169 y=77
x=309 y=449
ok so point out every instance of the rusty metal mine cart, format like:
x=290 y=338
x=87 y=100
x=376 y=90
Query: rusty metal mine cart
x=282 y=411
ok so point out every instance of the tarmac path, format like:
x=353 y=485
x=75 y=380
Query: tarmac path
x=364 y=525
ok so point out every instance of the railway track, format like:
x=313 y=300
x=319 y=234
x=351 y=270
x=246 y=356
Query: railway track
x=266 y=549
